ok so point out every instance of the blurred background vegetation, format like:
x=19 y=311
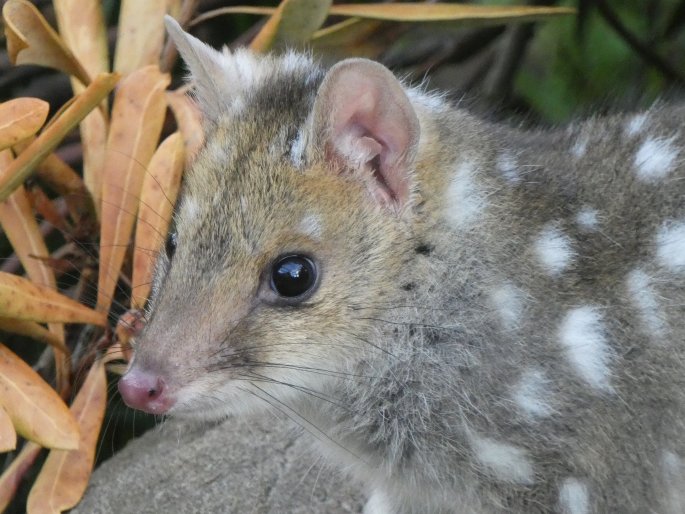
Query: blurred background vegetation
x=613 y=55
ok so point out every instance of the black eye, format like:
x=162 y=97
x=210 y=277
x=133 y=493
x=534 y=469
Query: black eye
x=170 y=245
x=293 y=276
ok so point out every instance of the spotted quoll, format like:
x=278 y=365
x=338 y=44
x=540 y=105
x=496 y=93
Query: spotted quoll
x=466 y=317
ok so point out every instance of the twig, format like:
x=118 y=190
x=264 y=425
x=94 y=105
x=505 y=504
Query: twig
x=647 y=54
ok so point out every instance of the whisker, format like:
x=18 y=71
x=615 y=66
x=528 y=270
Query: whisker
x=324 y=434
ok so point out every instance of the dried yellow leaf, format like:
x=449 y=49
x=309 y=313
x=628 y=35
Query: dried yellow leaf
x=157 y=198
x=8 y=436
x=189 y=121
x=33 y=330
x=137 y=116
x=11 y=477
x=31 y=40
x=82 y=26
x=22 y=299
x=141 y=34
x=65 y=474
x=413 y=12
x=21 y=118
x=36 y=410
x=27 y=161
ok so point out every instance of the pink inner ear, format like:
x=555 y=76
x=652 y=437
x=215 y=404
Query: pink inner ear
x=372 y=126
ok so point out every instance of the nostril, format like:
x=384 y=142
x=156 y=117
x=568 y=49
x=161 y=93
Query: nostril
x=145 y=391
x=156 y=391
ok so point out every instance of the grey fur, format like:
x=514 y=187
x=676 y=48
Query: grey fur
x=406 y=363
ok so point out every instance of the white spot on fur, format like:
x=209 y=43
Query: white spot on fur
x=671 y=463
x=574 y=497
x=587 y=219
x=430 y=101
x=190 y=209
x=465 y=201
x=582 y=335
x=670 y=246
x=294 y=61
x=673 y=471
x=312 y=226
x=635 y=124
x=509 y=304
x=507 y=166
x=655 y=159
x=580 y=147
x=297 y=149
x=531 y=393
x=553 y=249
x=506 y=461
x=378 y=503
x=644 y=298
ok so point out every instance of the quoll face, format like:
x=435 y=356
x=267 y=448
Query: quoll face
x=265 y=263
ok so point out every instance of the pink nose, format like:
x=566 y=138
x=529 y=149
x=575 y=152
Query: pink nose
x=145 y=391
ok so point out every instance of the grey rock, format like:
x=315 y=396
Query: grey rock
x=239 y=466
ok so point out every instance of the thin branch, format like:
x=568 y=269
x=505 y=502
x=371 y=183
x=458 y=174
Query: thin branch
x=647 y=54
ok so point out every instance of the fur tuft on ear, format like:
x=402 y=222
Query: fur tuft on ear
x=364 y=120
x=221 y=79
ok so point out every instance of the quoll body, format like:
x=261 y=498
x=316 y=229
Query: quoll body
x=466 y=317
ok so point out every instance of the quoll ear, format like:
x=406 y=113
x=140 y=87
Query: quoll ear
x=220 y=79
x=363 y=119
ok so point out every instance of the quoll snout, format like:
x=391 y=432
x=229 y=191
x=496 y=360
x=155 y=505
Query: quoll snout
x=145 y=390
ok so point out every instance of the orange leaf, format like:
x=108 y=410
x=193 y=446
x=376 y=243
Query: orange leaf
x=293 y=22
x=37 y=412
x=157 y=198
x=65 y=474
x=34 y=331
x=21 y=118
x=22 y=299
x=82 y=26
x=11 y=478
x=93 y=130
x=23 y=232
x=174 y=8
x=115 y=353
x=8 y=436
x=141 y=34
x=31 y=40
x=137 y=117
x=189 y=121
x=476 y=14
x=27 y=161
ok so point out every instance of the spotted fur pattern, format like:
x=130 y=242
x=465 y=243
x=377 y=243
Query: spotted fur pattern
x=511 y=342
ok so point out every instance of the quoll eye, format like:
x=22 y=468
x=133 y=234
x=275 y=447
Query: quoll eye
x=170 y=245
x=293 y=276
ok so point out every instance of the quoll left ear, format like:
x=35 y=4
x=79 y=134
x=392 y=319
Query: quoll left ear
x=364 y=120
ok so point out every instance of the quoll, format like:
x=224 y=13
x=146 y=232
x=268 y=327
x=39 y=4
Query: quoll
x=465 y=316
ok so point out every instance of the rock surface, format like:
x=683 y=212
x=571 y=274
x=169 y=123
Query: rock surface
x=239 y=466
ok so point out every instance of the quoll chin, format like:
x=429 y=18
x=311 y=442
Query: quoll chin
x=468 y=317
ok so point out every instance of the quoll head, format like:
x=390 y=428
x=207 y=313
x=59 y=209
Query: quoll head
x=293 y=220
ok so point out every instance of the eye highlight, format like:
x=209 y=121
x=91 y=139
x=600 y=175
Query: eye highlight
x=293 y=276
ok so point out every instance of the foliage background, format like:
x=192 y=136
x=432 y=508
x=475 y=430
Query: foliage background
x=614 y=55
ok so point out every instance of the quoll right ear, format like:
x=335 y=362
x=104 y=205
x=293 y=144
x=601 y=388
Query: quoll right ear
x=364 y=121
